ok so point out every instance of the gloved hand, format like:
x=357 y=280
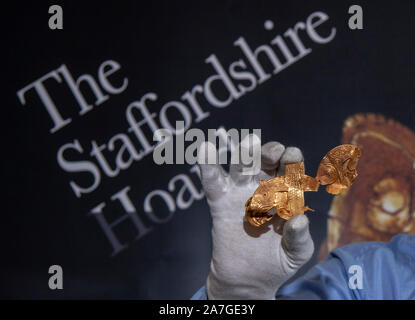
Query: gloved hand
x=250 y=262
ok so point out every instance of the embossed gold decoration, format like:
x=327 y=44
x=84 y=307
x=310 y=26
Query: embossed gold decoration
x=285 y=193
x=337 y=170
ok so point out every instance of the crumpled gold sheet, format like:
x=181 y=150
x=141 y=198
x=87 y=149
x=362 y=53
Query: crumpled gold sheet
x=285 y=193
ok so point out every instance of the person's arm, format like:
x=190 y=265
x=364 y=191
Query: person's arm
x=386 y=271
x=362 y=271
x=323 y=281
x=250 y=262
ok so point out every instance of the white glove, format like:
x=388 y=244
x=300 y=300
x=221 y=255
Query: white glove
x=250 y=262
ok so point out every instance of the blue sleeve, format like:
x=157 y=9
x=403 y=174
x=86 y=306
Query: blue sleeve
x=327 y=280
x=386 y=270
x=200 y=294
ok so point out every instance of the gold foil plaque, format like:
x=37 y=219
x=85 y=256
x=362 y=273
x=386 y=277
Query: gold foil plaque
x=337 y=170
x=285 y=194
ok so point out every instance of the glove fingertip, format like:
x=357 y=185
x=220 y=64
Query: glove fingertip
x=296 y=231
x=271 y=153
x=297 y=223
x=292 y=154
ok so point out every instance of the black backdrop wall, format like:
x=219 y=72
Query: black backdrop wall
x=161 y=48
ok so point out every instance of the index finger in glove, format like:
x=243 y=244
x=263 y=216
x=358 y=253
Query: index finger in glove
x=290 y=155
x=212 y=178
x=296 y=241
x=271 y=153
x=242 y=173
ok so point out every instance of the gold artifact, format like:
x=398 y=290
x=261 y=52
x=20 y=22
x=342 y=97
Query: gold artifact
x=337 y=170
x=381 y=203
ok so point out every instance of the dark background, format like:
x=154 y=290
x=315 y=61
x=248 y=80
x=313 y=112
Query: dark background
x=161 y=46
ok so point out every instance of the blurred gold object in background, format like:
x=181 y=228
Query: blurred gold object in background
x=381 y=203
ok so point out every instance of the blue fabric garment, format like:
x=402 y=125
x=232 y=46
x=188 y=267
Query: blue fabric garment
x=388 y=272
x=200 y=294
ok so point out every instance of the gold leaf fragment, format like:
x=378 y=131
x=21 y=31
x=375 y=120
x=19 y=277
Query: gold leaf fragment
x=337 y=171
